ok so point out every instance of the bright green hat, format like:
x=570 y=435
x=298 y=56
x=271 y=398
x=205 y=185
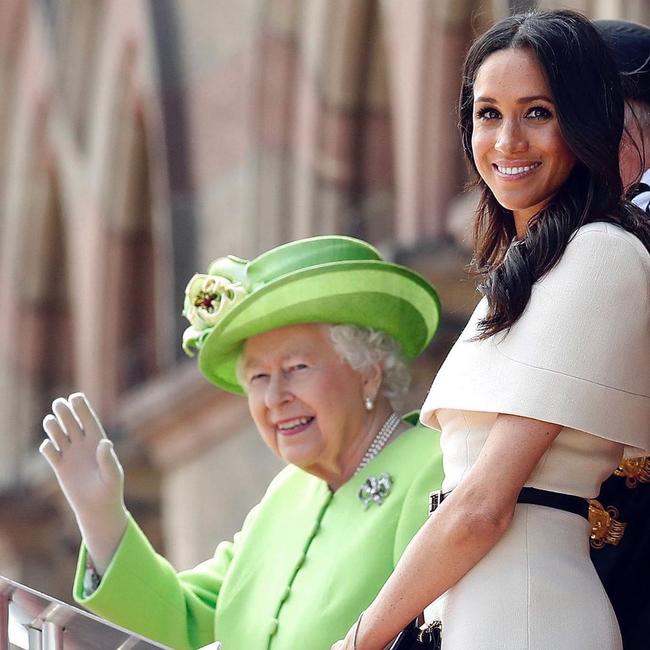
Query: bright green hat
x=328 y=279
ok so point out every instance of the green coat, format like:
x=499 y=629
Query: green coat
x=305 y=564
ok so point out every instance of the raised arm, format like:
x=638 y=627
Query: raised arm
x=460 y=532
x=89 y=474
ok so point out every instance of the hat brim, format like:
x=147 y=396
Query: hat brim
x=387 y=297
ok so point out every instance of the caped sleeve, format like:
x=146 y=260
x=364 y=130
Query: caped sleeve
x=579 y=355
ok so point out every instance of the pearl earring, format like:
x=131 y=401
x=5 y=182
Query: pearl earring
x=369 y=403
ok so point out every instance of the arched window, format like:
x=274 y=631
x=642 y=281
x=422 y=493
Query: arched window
x=321 y=124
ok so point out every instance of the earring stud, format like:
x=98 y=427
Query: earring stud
x=369 y=403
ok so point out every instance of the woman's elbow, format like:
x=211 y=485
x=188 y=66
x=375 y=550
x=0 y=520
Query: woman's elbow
x=482 y=522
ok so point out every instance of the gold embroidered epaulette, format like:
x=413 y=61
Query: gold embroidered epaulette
x=635 y=471
x=605 y=527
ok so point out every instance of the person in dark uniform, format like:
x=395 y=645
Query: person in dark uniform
x=621 y=517
x=630 y=45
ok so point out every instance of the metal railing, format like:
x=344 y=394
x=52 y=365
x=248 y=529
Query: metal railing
x=33 y=621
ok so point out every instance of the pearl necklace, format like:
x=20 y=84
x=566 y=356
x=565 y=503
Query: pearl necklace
x=380 y=440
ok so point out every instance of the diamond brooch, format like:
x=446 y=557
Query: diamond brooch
x=375 y=489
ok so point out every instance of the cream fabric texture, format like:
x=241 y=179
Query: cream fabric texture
x=537 y=589
x=576 y=463
x=579 y=356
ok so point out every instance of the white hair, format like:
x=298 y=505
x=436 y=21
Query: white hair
x=362 y=347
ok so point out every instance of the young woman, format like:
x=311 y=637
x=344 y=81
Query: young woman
x=548 y=386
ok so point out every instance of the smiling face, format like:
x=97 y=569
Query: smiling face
x=307 y=403
x=517 y=144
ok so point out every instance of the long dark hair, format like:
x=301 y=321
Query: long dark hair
x=589 y=106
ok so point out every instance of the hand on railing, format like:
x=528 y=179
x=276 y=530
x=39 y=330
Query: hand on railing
x=89 y=474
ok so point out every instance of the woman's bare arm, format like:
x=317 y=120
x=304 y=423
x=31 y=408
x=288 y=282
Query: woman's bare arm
x=460 y=532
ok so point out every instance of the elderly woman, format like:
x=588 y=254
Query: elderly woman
x=316 y=334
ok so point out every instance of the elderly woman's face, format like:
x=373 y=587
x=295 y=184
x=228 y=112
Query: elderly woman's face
x=306 y=401
x=517 y=143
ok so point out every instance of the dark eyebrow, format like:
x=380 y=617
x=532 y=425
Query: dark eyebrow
x=521 y=100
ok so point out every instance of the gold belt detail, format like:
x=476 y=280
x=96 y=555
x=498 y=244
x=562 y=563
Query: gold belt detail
x=605 y=527
x=635 y=471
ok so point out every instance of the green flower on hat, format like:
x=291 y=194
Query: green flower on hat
x=208 y=298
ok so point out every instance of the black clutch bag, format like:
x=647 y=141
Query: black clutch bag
x=419 y=637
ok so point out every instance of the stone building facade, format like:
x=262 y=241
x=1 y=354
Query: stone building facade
x=140 y=139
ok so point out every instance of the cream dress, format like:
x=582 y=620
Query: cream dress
x=579 y=356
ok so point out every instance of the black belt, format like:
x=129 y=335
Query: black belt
x=568 y=502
